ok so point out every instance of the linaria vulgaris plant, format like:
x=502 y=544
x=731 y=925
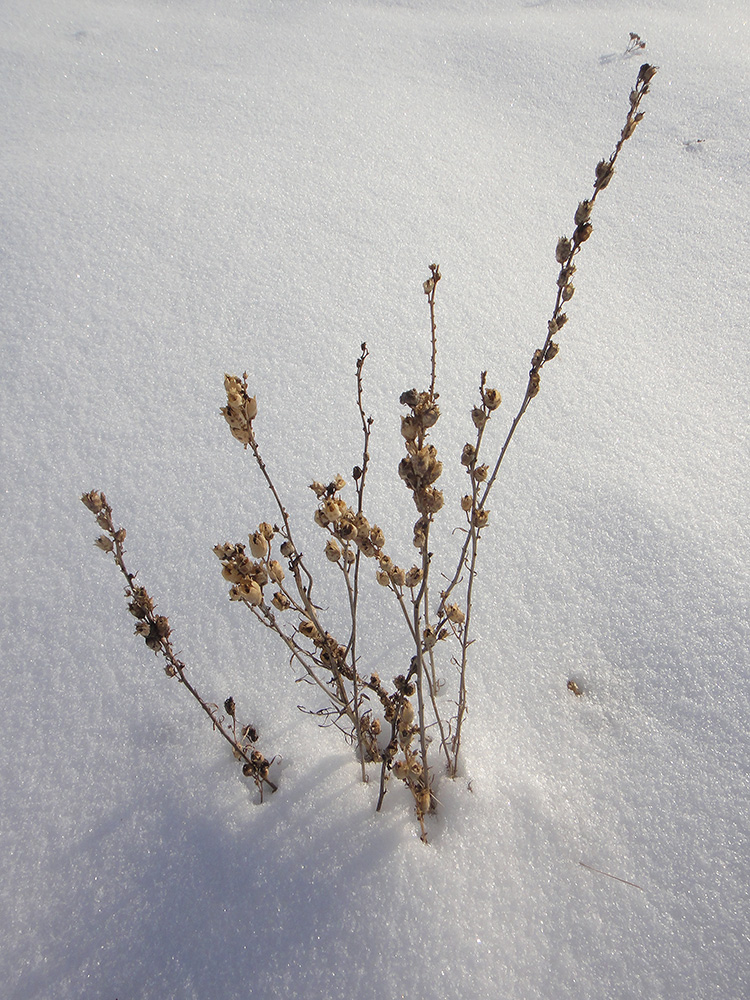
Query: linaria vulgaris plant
x=395 y=723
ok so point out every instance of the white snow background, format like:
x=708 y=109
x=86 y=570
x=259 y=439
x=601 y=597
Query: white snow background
x=194 y=187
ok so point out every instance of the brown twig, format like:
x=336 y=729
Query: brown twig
x=156 y=631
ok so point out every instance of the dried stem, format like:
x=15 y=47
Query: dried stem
x=156 y=632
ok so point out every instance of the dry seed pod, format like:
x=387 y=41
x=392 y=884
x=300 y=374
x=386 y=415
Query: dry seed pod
x=307 y=628
x=231 y=574
x=318 y=489
x=104 y=543
x=466 y=503
x=250 y=592
x=377 y=537
x=468 y=455
x=429 y=500
x=366 y=547
x=479 y=417
x=94 y=501
x=287 y=549
x=331 y=510
x=604 y=172
x=454 y=614
x=491 y=399
x=346 y=531
x=280 y=601
x=258 y=545
x=407 y=714
x=401 y=770
x=563 y=249
x=382 y=577
x=409 y=427
x=480 y=473
x=583 y=212
x=429 y=416
x=267 y=530
x=423 y=798
x=276 y=571
x=362 y=525
x=481 y=518
x=333 y=552
x=413 y=577
x=398 y=576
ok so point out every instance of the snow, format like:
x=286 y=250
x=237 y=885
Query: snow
x=192 y=188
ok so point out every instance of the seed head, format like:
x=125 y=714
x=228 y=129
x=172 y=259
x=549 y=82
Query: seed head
x=563 y=249
x=481 y=518
x=479 y=417
x=409 y=427
x=583 y=213
x=276 y=571
x=377 y=537
x=94 y=500
x=346 y=531
x=280 y=601
x=258 y=545
x=333 y=552
x=491 y=399
x=454 y=614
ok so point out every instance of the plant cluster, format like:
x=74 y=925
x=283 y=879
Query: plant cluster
x=398 y=725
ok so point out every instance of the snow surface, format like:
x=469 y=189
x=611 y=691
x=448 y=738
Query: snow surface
x=194 y=187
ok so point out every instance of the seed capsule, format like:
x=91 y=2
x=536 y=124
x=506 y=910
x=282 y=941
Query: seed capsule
x=478 y=417
x=563 y=249
x=377 y=537
x=258 y=545
x=276 y=571
x=454 y=614
x=491 y=399
x=280 y=601
x=333 y=552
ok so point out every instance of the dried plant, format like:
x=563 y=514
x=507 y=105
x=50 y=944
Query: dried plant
x=156 y=632
x=395 y=724
x=635 y=44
